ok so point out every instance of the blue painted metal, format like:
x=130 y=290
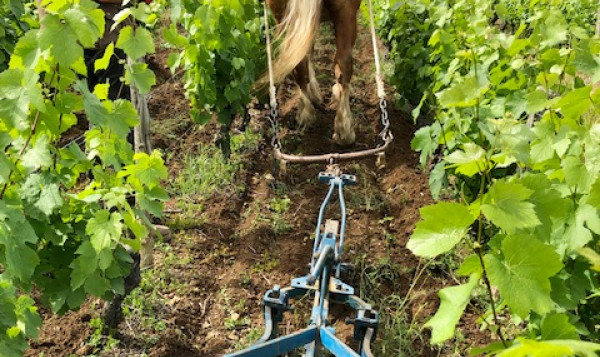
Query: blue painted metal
x=268 y=334
x=365 y=319
x=334 y=345
x=365 y=347
x=320 y=222
x=280 y=345
x=323 y=282
x=325 y=254
x=342 y=229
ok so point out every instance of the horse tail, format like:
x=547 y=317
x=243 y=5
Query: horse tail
x=296 y=32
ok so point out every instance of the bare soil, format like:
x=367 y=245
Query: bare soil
x=228 y=257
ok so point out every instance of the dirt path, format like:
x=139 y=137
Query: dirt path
x=203 y=297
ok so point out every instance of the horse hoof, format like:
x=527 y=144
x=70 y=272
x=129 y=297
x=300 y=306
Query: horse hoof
x=307 y=115
x=345 y=140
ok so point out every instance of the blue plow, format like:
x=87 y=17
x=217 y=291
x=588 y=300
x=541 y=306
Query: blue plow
x=323 y=282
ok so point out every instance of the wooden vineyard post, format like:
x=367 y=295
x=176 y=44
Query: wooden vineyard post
x=142 y=143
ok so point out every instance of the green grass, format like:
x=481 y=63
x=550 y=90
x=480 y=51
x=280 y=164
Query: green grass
x=207 y=171
x=235 y=313
x=98 y=341
x=278 y=207
x=274 y=214
x=399 y=333
x=143 y=307
x=366 y=197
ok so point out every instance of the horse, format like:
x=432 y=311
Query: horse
x=298 y=22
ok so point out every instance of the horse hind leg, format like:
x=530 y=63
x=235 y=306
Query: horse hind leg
x=345 y=36
x=306 y=115
x=313 y=91
x=344 y=120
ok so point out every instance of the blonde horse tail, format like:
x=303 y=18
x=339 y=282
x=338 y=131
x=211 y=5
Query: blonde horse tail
x=296 y=32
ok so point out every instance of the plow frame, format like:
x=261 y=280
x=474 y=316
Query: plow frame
x=324 y=284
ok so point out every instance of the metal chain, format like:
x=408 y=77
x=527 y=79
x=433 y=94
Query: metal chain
x=385 y=134
x=274 y=120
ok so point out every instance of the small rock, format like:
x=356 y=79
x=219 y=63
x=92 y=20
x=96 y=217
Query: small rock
x=233 y=336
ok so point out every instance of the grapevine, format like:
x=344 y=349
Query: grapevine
x=12 y=26
x=516 y=132
x=65 y=223
x=221 y=54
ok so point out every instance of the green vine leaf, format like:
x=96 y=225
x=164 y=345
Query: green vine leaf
x=136 y=43
x=425 y=142
x=506 y=206
x=554 y=29
x=19 y=259
x=441 y=227
x=463 y=94
x=58 y=37
x=38 y=156
x=549 y=205
x=581 y=224
x=469 y=162
x=522 y=274
x=139 y=76
x=86 y=22
x=553 y=348
x=575 y=103
x=557 y=327
x=146 y=172
x=104 y=229
x=453 y=301
x=103 y=62
x=19 y=89
x=27 y=52
x=577 y=176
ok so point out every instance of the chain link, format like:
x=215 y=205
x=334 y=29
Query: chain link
x=385 y=134
x=274 y=120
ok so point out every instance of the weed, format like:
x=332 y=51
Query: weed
x=143 y=307
x=187 y=221
x=170 y=130
x=266 y=264
x=207 y=171
x=234 y=318
x=98 y=340
x=275 y=215
x=367 y=198
x=235 y=321
x=245 y=279
x=204 y=173
x=250 y=337
x=278 y=207
x=399 y=332
x=280 y=188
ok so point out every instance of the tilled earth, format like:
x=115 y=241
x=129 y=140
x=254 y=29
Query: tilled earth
x=223 y=257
